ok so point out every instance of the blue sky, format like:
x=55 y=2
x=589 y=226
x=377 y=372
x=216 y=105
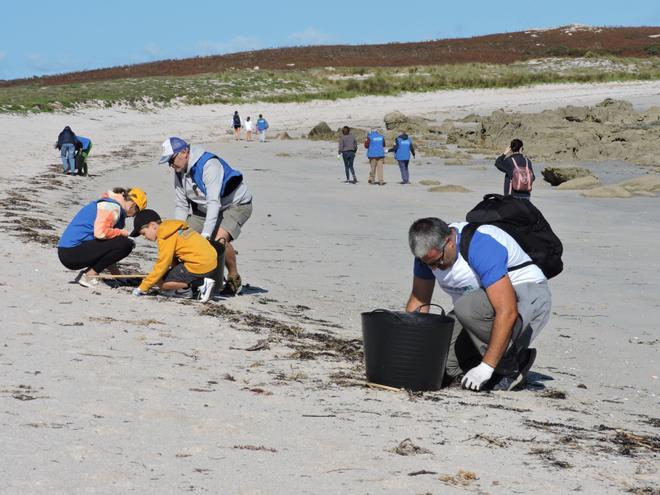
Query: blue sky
x=40 y=37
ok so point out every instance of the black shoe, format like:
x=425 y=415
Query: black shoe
x=514 y=380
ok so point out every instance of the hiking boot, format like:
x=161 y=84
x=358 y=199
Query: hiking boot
x=206 y=289
x=514 y=380
x=89 y=282
x=233 y=286
x=354 y=181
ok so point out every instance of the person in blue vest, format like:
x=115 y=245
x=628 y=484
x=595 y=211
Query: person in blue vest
x=402 y=149
x=96 y=239
x=83 y=148
x=375 y=144
x=262 y=126
x=66 y=143
x=213 y=199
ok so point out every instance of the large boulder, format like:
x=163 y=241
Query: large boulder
x=321 y=131
x=557 y=175
x=581 y=183
x=412 y=124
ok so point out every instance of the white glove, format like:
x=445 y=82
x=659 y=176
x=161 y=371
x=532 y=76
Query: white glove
x=138 y=292
x=477 y=376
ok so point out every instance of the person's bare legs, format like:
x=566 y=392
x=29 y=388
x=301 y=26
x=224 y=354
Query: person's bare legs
x=224 y=238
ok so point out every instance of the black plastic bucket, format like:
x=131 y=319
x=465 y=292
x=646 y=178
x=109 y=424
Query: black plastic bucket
x=406 y=350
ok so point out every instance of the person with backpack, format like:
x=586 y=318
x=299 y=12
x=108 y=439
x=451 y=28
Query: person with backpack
x=236 y=123
x=402 y=149
x=213 y=199
x=518 y=171
x=262 y=126
x=66 y=143
x=501 y=299
x=375 y=144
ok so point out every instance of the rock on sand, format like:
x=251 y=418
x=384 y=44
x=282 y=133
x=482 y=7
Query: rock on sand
x=588 y=182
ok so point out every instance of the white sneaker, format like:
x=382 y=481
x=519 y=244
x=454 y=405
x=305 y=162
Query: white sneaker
x=88 y=282
x=206 y=290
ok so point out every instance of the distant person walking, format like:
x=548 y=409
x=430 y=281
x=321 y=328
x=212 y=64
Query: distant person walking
x=347 y=149
x=375 y=144
x=262 y=126
x=403 y=148
x=518 y=171
x=249 y=125
x=236 y=123
x=66 y=143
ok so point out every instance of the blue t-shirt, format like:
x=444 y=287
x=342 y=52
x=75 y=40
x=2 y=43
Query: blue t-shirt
x=492 y=252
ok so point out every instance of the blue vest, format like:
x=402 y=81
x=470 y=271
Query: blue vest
x=262 y=124
x=403 y=149
x=376 y=145
x=81 y=228
x=230 y=176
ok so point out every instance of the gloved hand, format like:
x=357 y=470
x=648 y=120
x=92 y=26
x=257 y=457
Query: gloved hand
x=477 y=376
x=138 y=292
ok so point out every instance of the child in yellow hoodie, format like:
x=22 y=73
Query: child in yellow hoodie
x=185 y=258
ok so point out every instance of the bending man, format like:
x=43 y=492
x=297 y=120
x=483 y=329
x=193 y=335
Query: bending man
x=213 y=200
x=498 y=310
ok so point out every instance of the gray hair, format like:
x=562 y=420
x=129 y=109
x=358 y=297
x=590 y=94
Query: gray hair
x=426 y=234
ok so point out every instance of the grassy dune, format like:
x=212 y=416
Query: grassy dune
x=242 y=86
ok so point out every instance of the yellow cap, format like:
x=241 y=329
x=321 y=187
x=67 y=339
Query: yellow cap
x=139 y=197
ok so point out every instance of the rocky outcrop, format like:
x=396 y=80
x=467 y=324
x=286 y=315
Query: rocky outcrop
x=611 y=130
x=581 y=183
x=558 y=175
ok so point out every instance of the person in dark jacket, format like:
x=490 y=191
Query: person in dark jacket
x=402 y=149
x=66 y=143
x=518 y=171
x=347 y=149
x=236 y=124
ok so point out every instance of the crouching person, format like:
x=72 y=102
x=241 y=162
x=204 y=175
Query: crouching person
x=501 y=300
x=185 y=258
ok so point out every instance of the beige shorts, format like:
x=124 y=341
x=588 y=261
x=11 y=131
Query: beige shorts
x=230 y=219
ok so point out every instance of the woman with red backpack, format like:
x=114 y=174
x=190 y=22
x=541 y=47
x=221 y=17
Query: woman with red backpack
x=518 y=171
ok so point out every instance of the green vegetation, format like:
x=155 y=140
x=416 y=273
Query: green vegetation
x=243 y=86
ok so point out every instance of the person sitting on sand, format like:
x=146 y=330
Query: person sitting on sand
x=518 y=171
x=497 y=311
x=96 y=239
x=185 y=258
x=213 y=199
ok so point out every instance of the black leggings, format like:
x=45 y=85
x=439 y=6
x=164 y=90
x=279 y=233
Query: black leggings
x=96 y=254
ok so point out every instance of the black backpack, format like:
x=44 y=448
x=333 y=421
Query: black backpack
x=525 y=223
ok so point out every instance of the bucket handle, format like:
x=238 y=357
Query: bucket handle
x=381 y=310
x=429 y=304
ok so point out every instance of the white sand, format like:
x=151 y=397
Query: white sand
x=130 y=395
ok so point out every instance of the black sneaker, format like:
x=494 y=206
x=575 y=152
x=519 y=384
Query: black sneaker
x=514 y=380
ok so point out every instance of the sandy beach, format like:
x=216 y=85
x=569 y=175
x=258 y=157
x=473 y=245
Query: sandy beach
x=103 y=392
